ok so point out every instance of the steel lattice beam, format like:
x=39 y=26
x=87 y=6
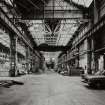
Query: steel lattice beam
x=57 y=14
x=52 y=48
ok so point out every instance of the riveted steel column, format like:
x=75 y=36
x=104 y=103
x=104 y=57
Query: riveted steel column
x=13 y=55
x=94 y=57
x=27 y=59
x=89 y=56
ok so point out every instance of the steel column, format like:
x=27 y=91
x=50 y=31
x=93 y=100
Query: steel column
x=27 y=59
x=94 y=57
x=13 y=56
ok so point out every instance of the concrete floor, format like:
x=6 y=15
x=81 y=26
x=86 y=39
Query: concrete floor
x=51 y=89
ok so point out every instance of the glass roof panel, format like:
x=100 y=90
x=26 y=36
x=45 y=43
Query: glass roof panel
x=37 y=30
x=86 y=3
x=67 y=29
x=63 y=5
x=60 y=37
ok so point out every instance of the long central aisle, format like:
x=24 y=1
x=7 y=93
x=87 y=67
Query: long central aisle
x=51 y=89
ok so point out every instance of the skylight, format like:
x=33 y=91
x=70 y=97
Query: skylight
x=86 y=3
x=37 y=30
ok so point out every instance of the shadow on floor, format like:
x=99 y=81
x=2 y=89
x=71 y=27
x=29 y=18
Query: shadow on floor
x=94 y=87
x=8 y=83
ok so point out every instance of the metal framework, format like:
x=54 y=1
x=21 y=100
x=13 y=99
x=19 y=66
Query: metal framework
x=7 y=16
x=52 y=22
x=69 y=18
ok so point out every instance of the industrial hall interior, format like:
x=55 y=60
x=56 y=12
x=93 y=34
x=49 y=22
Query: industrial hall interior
x=52 y=52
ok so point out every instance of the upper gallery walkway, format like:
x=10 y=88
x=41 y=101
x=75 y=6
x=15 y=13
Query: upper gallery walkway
x=50 y=89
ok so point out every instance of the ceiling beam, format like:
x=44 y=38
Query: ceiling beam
x=22 y=5
x=44 y=2
x=52 y=48
x=33 y=4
